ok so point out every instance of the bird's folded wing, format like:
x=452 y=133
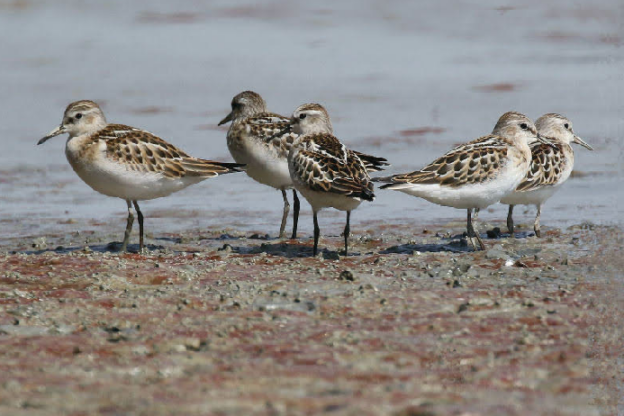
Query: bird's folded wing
x=547 y=167
x=273 y=130
x=372 y=163
x=140 y=150
x=327 y=166
x=472 y=163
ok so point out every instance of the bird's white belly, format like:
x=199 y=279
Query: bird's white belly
x=116 y=180
x=263 y=165
x=320 y=200
x=479 y=195
x=535 y=197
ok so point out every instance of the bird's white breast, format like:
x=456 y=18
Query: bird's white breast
x=264 y=163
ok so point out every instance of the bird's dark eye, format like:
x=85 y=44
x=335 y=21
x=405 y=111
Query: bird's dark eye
x=524 y=126
x=566 y=125
x=302 y=116
x=78 y=116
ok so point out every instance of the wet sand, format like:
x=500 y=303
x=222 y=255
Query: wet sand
x=228 y=323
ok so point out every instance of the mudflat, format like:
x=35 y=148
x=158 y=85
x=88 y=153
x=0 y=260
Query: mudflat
x=226 y=323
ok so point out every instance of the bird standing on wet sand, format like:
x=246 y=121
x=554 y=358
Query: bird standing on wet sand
x=262 y=140
x=550 y=167
x=476 y=174
x=324 y=171
x=126 y=162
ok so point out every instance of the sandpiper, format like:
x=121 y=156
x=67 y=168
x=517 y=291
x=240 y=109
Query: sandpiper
x=324 y=171
x=476 y=174
x=262 y=140
x=126 y=162
x=550 y=167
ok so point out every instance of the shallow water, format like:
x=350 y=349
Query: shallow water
x=406 y=81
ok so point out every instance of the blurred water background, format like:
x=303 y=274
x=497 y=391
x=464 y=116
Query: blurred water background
x=403 y=80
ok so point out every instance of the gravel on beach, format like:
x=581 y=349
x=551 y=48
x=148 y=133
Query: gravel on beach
x=225 y=323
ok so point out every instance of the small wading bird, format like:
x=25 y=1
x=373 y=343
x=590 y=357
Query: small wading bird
x=262 y=140
x=476 y=174
x=550 y=167
x=126 y=162
x=324 y=171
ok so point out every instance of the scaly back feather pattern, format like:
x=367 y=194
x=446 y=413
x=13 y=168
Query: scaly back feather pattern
x=326 y=165
x=132 y=147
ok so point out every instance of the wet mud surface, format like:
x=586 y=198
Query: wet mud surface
x=226 y=323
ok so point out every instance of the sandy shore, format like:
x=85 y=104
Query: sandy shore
x=221 y=323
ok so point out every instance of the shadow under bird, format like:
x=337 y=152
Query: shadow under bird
x=476 y=174
x=550 y=167
x=126 y=162
x=324 y=171
x=262 y=140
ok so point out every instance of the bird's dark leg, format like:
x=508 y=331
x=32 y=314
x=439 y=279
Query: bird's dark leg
x=536 y=225
x=124 y=245
x=140 y=215
x=510 y=224
x=469 y=230
x=295 y=214
x=473 y=233
x=477 y=236
x=347 y=231
x=317 y=232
